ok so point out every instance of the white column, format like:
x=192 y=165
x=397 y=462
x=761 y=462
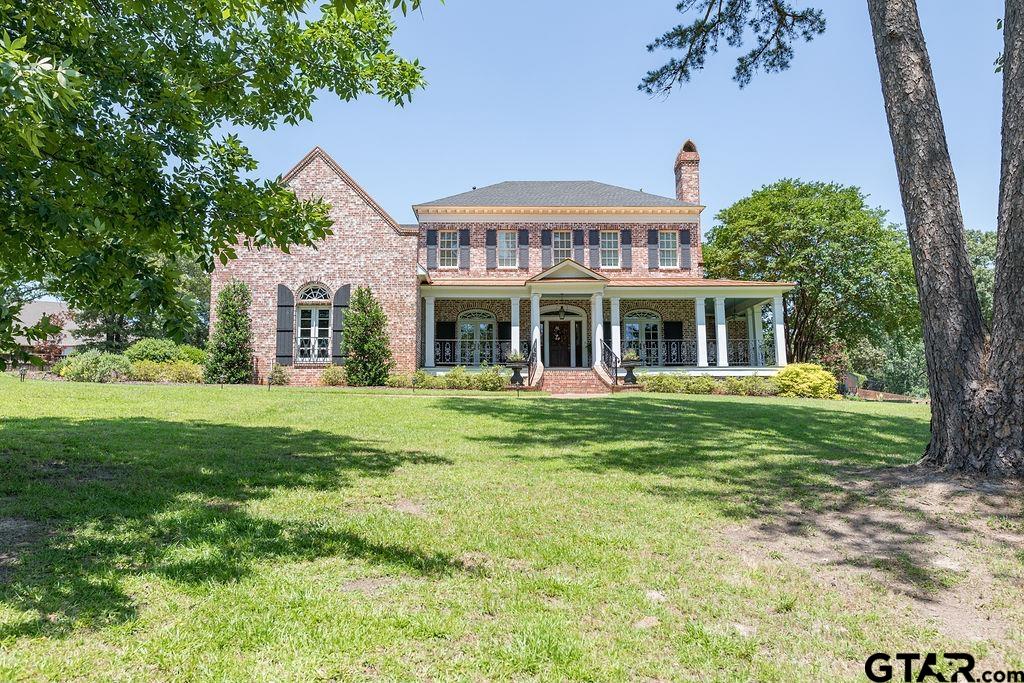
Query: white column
x=514 y=324
x=779 y=319
x=616 y=328
x=759 y=331
x=750 y=337
x=700 y=316
x=535 y=323
x=720 y=332
x=597 y=335
x=428 y=331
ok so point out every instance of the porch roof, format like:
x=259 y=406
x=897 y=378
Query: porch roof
x=611 y=284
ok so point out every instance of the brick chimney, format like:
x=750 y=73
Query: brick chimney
x=688 y=173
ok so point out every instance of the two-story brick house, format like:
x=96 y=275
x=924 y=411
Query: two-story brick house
x=571 y=273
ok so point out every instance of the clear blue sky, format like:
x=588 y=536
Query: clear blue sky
x=543 y=89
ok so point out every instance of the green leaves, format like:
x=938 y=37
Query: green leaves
x=111 y=146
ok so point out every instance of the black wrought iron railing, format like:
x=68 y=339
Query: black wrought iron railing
x=610 y=361
x=531 y=362
x=475 y=353
x=683 y=352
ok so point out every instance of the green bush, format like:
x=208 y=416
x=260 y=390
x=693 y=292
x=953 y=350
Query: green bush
x=759 y=386
x=183 y=372
x=458 y=378
x=93 y=366
x=147 y=371
x=192 y=354
x=278 y=375
x=662 y=384
x=333 y=376
x=58 y=366
x=698 y=384
x=231 y=357
x=400 y=381
x=156 y=350
x=490 y=379
x=731 y=386
x=421 y=379
x=806 y=380
x=367 y=349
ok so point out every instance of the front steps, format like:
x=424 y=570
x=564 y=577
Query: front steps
x=573 y=381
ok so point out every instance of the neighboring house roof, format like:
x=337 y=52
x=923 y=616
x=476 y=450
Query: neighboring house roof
x=555 y=193
x=33 y=312
x=318 y=153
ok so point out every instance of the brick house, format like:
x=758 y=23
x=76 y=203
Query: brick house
x=571 y=273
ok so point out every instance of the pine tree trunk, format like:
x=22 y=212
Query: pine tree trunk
x=965 y=404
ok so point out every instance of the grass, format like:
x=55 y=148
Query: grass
x=151 y=532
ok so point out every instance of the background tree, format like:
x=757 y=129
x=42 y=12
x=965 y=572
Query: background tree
x=853 y=271
x=115 y=170
x=230 y=359
x=368 y=360
x=976 y=379
x=981 y=249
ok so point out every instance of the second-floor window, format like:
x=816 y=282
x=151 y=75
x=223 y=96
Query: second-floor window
x=448 y=248
x=561 y=245
x=508 y=250
x=610 y=249
x=668 y=249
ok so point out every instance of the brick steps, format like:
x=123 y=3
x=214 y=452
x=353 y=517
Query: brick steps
x=573 y=381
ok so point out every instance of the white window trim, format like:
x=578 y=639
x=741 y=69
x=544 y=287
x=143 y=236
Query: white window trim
x=675 y=266
x=440 y=251
x=554 y=250
x=515 y=250
x=315 y=305
x=601 y=249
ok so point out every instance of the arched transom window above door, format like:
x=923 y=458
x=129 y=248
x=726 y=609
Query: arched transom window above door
x=313 y=320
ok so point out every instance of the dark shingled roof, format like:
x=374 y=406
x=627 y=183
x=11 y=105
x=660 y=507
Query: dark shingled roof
x=555 y=193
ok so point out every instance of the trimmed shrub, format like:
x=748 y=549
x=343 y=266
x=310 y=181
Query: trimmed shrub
x=368 y=350
x=421 y=379
x=759 y=386
x=400 y=381
x=156 y=350
x=93 y=366
x=806 y=380
x=278 y=375
x=732 y=386
x=58 y=367
x=698 y=384
x=230 y=350
x=147 y=371
x=662 y=384
x=490 y=379
x=333 y=376
x=192 y=354
x=458 y=378
x=183 y=372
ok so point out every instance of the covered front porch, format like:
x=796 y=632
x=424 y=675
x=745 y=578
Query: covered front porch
x=577 y=321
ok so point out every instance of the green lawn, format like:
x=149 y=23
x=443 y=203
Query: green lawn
x=199 y=533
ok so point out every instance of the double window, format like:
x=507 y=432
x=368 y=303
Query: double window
x=508 y=249
x=448 y=248
x=609 y=248
x=561 y=245
x=668 y=249
x=314 y=317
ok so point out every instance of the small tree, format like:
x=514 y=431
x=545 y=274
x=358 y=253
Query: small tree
x=231 y=356
x=368 y=351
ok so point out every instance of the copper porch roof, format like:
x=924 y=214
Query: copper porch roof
x=617 y=282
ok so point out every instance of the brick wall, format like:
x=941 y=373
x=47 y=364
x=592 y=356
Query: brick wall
x=365 y=250
x=478 y=249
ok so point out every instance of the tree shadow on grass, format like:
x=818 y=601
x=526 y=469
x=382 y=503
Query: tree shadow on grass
x=95 y=501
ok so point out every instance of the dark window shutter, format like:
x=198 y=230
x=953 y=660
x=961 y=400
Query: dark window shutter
x=626 y=245
x=652 y=249
x=577 y=247
x=444 y=329
x=285 y=324
x=504 y=330
x=684 y=249
x=431 y=249
x=492 y=249
x=546 y=254
x=338 y=323
x=524 y=249
x=595 y=250
x=673 y=329
x=607 y=327
x=464 y=249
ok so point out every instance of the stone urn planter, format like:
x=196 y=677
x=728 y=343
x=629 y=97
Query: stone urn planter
x=517 y=363
x=630 y=361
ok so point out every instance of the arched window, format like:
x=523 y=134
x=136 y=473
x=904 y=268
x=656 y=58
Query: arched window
x=478 y=339
x=313 y=313
x=641 y=331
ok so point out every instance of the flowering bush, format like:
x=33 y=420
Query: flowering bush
x=333 y=376
x=806 y=380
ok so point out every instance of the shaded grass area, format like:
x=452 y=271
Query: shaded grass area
x=234 y=533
